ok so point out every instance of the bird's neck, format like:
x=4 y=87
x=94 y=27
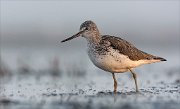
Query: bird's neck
x=94 y=39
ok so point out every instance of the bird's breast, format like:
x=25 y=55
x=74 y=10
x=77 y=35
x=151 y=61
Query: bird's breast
x=110 y=60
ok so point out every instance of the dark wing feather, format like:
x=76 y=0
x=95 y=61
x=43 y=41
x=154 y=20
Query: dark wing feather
x=127 y=48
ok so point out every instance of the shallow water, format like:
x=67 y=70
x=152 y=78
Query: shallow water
x=48 y=92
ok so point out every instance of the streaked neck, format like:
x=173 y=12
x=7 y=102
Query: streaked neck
x=94 y=39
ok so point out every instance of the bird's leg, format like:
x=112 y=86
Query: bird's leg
x=115 y=83
x=134 y=76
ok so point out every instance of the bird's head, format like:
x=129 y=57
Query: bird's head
x=88 y=30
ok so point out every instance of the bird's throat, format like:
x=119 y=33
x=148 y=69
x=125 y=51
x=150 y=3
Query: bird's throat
x=94 y=39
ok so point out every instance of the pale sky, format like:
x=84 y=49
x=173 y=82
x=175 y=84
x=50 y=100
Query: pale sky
x=38 y=22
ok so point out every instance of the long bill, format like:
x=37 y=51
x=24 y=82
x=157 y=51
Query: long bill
x=72 y=37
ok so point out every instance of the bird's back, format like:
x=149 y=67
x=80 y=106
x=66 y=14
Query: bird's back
x=126 y=48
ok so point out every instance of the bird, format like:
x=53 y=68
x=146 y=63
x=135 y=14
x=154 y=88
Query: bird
x=113 y=54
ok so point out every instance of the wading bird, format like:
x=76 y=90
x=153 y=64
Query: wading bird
x=111 y=53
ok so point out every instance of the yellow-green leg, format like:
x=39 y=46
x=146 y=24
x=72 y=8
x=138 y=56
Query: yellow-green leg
x=115 y=83
x=134 y=76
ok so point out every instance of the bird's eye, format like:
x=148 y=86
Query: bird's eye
x=86 y=28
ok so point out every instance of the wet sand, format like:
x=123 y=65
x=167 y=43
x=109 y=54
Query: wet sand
x=30 y=92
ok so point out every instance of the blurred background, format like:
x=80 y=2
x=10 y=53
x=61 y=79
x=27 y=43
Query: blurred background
x=31 y=31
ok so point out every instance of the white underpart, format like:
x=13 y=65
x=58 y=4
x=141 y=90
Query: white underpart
x=114 y=61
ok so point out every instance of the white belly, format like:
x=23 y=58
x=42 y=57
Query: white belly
x=114 y=61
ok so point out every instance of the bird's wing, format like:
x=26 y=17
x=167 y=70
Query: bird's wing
x=127 y=48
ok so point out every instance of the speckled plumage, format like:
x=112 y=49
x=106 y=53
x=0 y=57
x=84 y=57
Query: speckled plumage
x=114 y=54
